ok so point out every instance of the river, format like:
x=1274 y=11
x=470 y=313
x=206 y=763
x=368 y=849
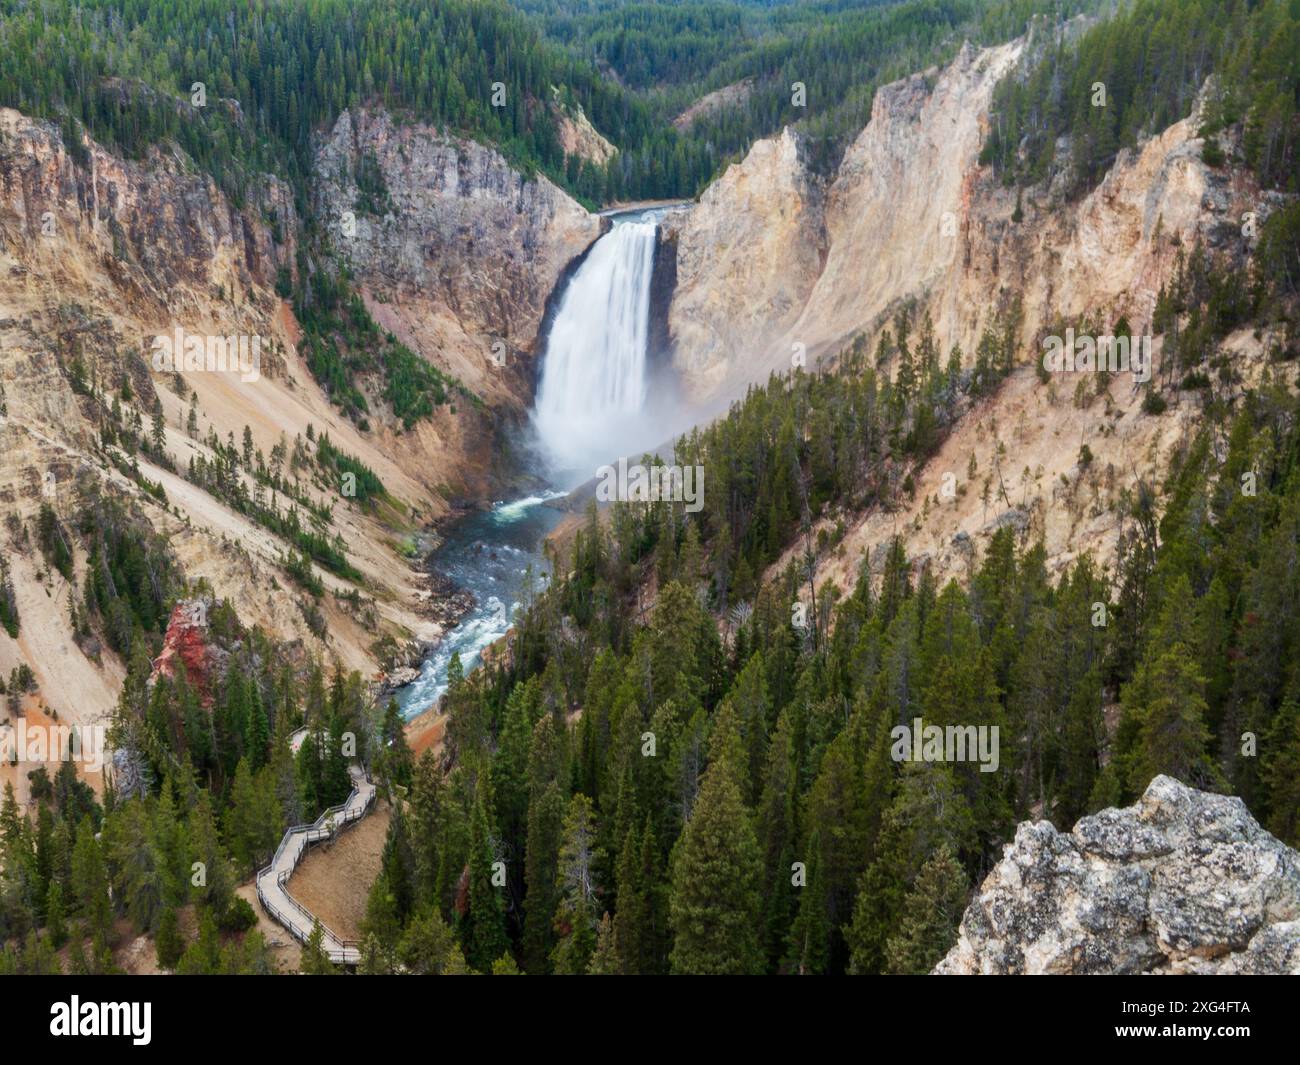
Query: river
x=591 y=408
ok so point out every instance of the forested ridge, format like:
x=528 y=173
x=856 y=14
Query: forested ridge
x=273 y=74
x=1133 y=75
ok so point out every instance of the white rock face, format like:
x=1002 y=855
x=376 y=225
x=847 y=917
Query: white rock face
x=901 y=201
x=774 y=255
x=1181 y=882
x=747 y=258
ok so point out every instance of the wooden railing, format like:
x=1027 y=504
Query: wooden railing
x=299 y=922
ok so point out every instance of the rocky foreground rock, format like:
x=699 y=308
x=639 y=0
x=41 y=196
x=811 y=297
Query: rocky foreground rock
x=1181 y=882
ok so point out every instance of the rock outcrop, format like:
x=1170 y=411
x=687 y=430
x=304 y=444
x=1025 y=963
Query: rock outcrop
x=1181 y=882
x=706 y=106
x=777 y=261
x=579 y=137
x=155 y=228
x=186 y=644
x=799 y=258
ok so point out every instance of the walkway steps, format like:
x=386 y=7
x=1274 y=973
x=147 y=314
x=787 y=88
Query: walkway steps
x=272 y=889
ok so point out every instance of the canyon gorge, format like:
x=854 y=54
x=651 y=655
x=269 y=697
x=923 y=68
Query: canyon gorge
x=483 y=274
x=775 y=266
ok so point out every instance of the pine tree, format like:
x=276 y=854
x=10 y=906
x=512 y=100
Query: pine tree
x=575 y=916
x=336 y=782
x=315 y=962
x=396 y=762
x=1167 y=696
x=169 y=943
x=931 y=914
x=485 y=936
x=545 y=824
x=257 y=732
x=775 y=823
x=810 y=934
x=604 y=959
x=241 y=818
x=282 y=771
x=211 y=881
x=629 y=918
x=203 y=956
x=927 y=814
x=716 y=905
x=55 y=924
x=90 y=879
x=381 y=926
x=467 y=725
x=1281 y=773
x=429 y=948
x=749 y=695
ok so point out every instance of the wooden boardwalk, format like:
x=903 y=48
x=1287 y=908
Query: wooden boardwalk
x=272 y=889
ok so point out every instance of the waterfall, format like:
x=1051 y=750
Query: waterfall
x=593 y=388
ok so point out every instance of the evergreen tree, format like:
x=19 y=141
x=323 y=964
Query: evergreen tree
x=315 y=962
x=716 y=904
x=169 y=943
x=575 y=916
x=931 y=914
x=396 y=764
x=429 y=948
x=485 y=930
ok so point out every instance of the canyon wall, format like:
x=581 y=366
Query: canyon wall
x=460 y=253
x=100 y=254
x=775 y=261
x=773 y=255
x=96 y=259
x=748 y=257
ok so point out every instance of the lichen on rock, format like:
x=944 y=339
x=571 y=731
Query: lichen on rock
x=1183 y=881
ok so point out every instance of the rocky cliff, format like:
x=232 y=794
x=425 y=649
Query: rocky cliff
x=748 y=257
x=775 y=261
x=910 y=215
x=836 y=251
x=1181 y=882
x=100 y=254
x=578 y=136
x=456 y=251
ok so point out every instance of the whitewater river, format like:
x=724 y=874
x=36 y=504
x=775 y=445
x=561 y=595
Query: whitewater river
x=489 y=555
x=591 y=408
